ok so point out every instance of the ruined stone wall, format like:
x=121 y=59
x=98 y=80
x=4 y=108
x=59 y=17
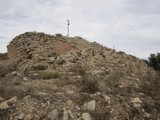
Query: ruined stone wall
x=39 y=51
x=31 y=49
x=16 y=51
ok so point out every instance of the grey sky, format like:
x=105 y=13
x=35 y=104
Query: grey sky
x=131 y=26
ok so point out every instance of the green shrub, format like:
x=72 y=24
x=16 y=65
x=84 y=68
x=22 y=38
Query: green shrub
x=49 y=74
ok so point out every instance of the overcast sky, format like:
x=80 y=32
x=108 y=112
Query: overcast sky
x=132 y=26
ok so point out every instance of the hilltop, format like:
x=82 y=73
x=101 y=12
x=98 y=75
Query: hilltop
x=68 y=78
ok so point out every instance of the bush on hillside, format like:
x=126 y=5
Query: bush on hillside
x=151 y=84
x=6 y=67
x=154 y=61
x=58 y=35
x=89 y=85
x=49 y=74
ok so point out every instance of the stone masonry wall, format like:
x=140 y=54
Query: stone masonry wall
x=33 y=48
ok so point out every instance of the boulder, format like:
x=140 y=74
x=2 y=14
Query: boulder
x=90 y=105
x=86 y=116
x=136 y=102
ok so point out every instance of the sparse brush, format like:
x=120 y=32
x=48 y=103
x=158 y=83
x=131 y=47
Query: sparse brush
x=89 y=85
x=58 y=35
x=6 y=67
x=49 y=74
x=151 y=84
x=40 y=67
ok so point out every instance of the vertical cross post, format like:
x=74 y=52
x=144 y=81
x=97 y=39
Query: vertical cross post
x=68 y=27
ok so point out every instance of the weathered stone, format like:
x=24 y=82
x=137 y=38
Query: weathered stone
x=136 y=102
x=107 y=98
x=51 y=59
x=71 y=113
x=69 y=102
x=147 y=115
x=26 y=98
x=42 y=94
x=29 y=117
x=14 y=73
x=86 y=116
x=90 y=105
x=21 y=116
x=37 y=117
x=98 y=93
x=97 y=72
x=53 y=114
x=4 y=105
x=25 y=79
x=65 y=115
x=1 y=99
x=69 y=92
x=78 y=108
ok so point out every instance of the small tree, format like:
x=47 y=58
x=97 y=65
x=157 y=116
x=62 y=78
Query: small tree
x=154 y=61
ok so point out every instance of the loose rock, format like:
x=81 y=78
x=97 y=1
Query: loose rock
x=53 y=114
x=21 y=116
x=136 y=102
x=86 y=116
x=90 y=105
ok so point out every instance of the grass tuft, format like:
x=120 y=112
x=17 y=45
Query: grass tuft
x=49 y=74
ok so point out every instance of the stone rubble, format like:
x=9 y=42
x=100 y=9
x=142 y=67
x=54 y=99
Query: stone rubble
x=95 y=83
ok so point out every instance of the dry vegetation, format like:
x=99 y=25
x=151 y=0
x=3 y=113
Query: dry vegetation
x=89 y=85
x=151 y=85
x=6 y=67
x=49 y=74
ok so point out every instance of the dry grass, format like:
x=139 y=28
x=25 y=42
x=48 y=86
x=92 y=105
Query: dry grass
x=151 y=85
x=49 y=74
x=89 y=85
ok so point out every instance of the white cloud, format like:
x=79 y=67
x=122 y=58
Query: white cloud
x=130 y=25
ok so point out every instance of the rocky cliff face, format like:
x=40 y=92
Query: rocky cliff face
x=95 y=83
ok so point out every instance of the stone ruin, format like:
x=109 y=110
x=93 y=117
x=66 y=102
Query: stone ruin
x=40 y=51
x=118 y=76
x=31 y=49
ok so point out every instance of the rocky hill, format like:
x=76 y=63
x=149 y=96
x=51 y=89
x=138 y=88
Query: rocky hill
x=69 y=78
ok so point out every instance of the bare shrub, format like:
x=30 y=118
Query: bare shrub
x=58 y=35
x=39 y=67
x=89 y=85
x=4 y=114
x=79 y=69
x=151 y=84
x=6 y=67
